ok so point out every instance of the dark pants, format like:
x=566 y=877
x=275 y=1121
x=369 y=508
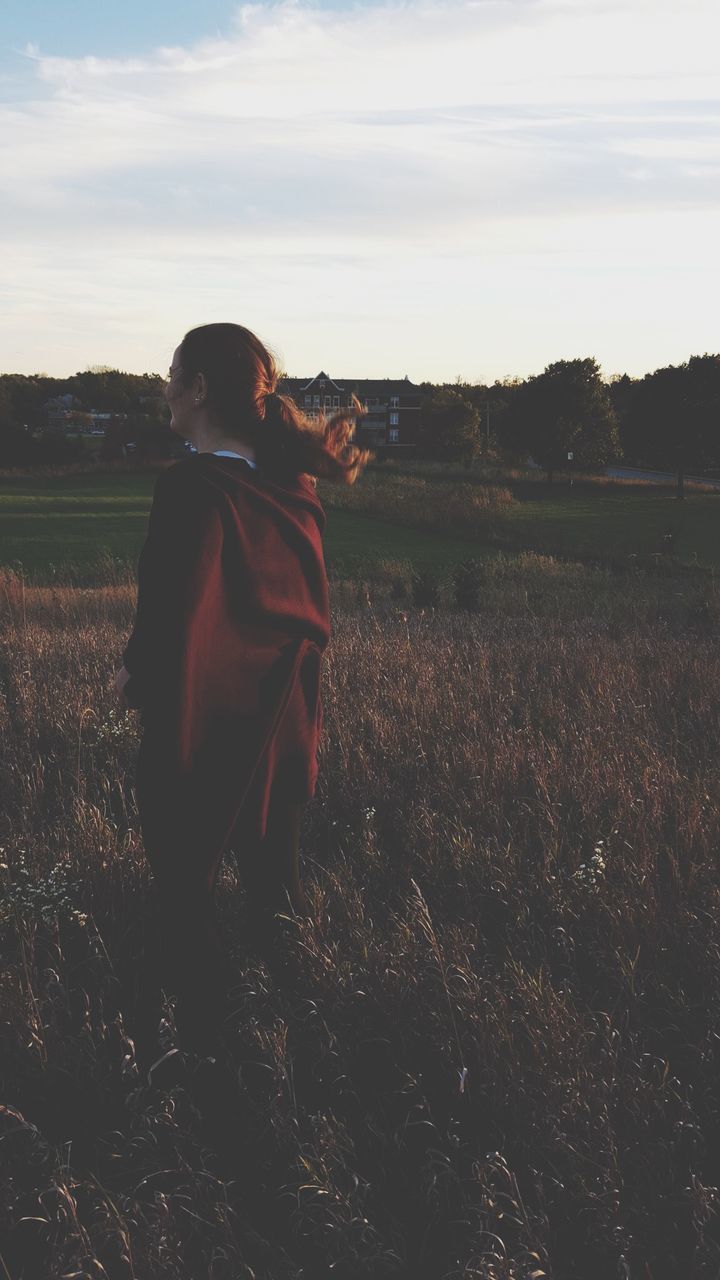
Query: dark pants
x=182 y=951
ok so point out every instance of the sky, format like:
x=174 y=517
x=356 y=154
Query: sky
x=441 y=189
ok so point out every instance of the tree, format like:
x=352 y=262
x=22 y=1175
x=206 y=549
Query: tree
x=702 y=422
x=673 y=418
x=450 y=426
x=17 y=447
x=621 y=388
x=24 y=396
x=567 y=408
x=112 y=390
x=54 y=450
x=495 y=404
x=16 y=443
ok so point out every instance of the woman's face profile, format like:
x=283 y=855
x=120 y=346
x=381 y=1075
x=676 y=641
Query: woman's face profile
x=178 y=397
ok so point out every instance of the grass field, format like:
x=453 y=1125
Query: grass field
x=501 y=1061
x=512 y=868
x=84 y=519
x=615 y=526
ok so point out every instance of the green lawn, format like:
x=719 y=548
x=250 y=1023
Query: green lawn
x=615 y=525
x=45 y=524
x=80 y=519
x=48 y=522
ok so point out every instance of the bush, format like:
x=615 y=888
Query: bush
x=422 y=503
x=52 y=449
x=18 y=448
x=468 y=580
x=425 y=589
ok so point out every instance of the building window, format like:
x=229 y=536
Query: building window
x=316 y=402
x=327 y=401
x=308 y=401
x=393 y=435
x=394 y=402
x=336 y=402
x=394 y=419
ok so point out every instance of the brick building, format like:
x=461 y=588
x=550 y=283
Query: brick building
x=393 y=408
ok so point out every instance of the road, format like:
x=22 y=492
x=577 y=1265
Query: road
x=667 y=477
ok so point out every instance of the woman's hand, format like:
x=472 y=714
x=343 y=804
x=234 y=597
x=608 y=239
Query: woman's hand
x=121 y=680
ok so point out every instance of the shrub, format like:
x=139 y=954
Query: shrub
x=425 y=589
x=468 y=580
x=422 y=503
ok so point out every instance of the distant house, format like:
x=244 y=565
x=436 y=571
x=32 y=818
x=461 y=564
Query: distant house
x=66 y=413
x=98 y=424
x=393 y=407
x=60 y=411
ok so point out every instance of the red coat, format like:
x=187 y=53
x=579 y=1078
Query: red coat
x=225 y=655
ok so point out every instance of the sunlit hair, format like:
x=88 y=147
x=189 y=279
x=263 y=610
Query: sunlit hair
x=242 y=398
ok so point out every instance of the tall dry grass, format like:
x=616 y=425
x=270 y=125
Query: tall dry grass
x=502 y=1060
x=412 y=499
x=496 y=472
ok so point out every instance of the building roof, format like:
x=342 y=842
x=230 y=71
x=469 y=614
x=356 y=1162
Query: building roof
x=361 y=386
x=67 y=401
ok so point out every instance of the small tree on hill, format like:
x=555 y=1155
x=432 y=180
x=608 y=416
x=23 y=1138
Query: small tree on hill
x=567 y=408
x=450 y=427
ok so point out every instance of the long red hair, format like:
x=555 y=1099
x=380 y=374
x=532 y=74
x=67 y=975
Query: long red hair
x=242 y=377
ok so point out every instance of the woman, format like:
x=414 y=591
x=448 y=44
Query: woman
x=224 y=659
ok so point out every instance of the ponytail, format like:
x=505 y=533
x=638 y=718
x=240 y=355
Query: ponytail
x=291 y=441
x=242 y=377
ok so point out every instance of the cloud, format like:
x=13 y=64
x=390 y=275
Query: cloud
x=376 y=142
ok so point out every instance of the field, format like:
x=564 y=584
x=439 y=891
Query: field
x=436 y=517
x=501 y=1059
x=616 y=526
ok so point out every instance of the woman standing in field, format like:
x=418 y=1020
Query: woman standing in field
x=224 y=660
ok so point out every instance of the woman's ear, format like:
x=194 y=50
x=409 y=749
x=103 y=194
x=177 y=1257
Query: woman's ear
x=200 y=389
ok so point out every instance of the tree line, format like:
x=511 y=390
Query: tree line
x=134 y=402
x=668 y=419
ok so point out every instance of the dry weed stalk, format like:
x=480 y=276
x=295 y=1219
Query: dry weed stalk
x=426 y=924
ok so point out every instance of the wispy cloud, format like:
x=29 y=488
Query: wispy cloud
x=319 y=169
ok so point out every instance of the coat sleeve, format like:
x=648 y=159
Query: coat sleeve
x=181 y=550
